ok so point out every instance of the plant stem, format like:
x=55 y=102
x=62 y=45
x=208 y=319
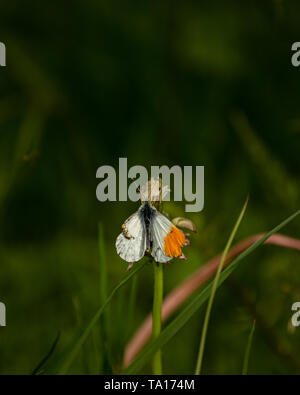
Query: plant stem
x=156 y=314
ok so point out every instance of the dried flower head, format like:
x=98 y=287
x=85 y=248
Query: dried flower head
x=153 y=191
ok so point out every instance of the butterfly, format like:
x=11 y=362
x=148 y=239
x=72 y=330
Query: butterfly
x=149 y=231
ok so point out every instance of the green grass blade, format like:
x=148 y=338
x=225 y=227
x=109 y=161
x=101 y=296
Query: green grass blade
x=214 y=288
x=248 y=349
x=64 y=360
x=38 y=369
x=196 y=302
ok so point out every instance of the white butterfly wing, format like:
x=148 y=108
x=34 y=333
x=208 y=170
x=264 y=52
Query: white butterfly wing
x=161 y=226
x=131 y=243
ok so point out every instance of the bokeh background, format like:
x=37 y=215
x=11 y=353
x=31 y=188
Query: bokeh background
x=191 y=83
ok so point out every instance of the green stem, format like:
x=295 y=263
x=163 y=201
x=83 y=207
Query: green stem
x=156 y=314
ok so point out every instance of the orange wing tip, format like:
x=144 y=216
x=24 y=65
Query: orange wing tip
x=173 y=242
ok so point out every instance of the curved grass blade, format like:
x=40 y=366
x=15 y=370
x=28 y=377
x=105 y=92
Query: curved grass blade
x=214 y=288
x=38 y=370
x=197 y=301
x=248 y=349
x=64 y=360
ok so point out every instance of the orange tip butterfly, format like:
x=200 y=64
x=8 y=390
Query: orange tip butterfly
x=149 y=231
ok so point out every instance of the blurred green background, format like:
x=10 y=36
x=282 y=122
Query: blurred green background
x=161 y=83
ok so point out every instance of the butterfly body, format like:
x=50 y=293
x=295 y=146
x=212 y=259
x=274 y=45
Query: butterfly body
x=147 y=214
